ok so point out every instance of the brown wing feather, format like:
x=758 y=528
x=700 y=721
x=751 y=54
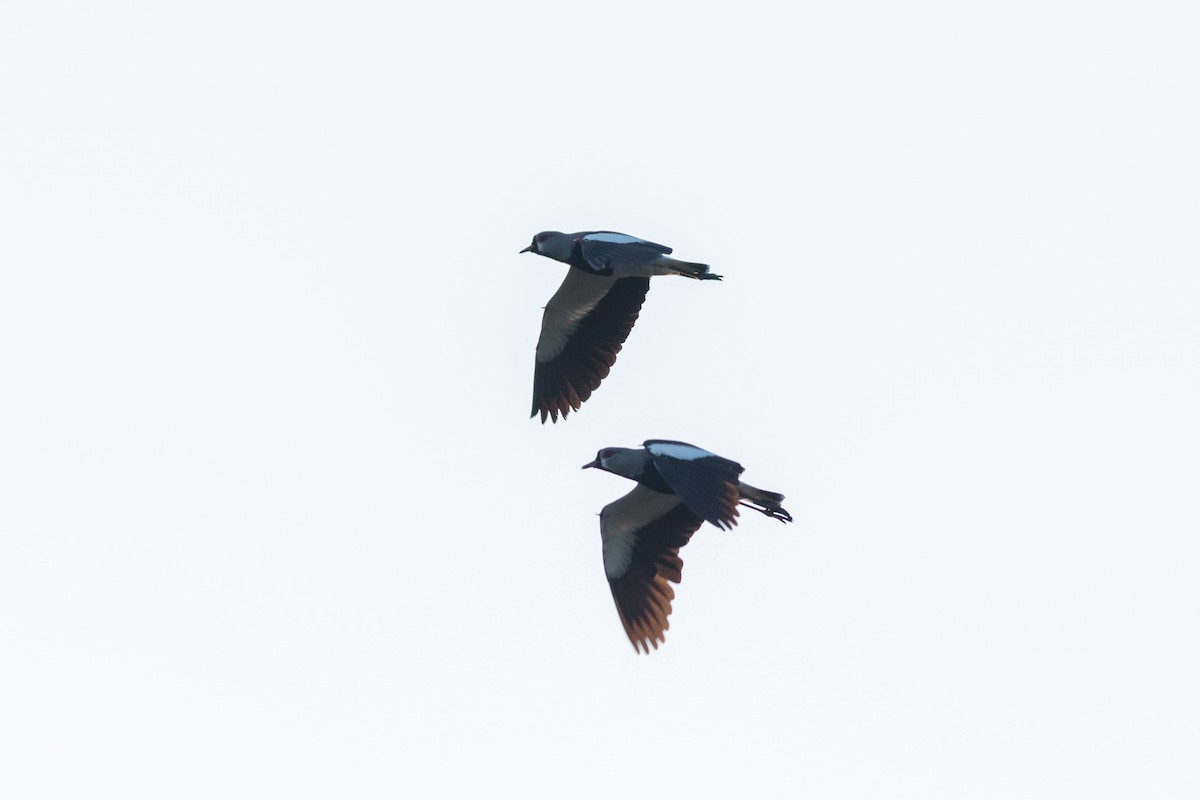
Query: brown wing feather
x=643 y=593
x=575 y=353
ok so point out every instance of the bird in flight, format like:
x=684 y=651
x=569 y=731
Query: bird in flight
x=590 y=316
x=679 y=486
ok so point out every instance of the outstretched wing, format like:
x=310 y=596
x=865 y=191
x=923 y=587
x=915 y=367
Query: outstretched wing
x=606 y=250
x=706 y=482
x=583 y=328
x=641 y=534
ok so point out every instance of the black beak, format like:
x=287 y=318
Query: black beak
x=595 y=463
x=528 y=250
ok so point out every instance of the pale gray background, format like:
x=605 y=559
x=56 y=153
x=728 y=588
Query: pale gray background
x=273 y=521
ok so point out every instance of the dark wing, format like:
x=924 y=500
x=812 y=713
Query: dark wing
x=642 y=533
x=585 y=323
x=606 y=250
x=707 y=483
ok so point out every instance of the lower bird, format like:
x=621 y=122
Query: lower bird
x=679 y=487
x=590 y=316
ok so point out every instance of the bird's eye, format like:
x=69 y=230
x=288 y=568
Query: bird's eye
x=605 y=453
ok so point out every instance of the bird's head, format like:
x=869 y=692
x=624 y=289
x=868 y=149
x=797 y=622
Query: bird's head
x=609 y=459
x=549 y=243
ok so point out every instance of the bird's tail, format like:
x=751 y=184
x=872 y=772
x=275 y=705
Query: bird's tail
x=688 y=269
x=763 y=501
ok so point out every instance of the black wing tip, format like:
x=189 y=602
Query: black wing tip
x=552 y=414
x=557 y=407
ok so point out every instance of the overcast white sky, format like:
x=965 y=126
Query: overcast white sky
x=274 y=522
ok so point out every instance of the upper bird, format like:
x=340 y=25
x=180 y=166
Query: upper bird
x=679 y=486
x=589 y=317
